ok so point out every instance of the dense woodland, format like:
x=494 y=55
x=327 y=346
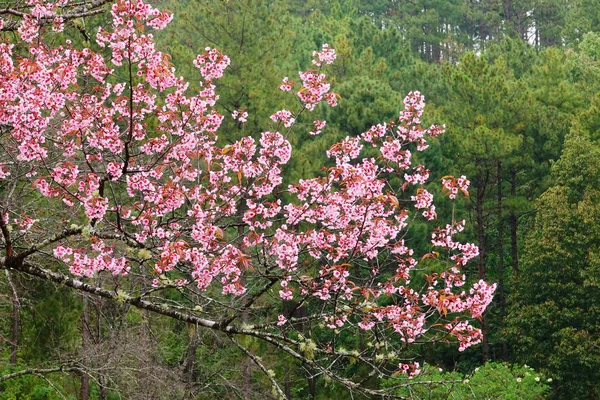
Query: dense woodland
x=517 y=85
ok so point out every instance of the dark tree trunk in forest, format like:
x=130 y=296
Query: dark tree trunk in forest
x=514 y=225
x=507 y=6
x=14 y=331
x=287 y=384
x=246 y=367
x=500 y=245
x=521 y=26
x=292 y=310
x=480 y=194
x=483 y=28
x=247 y=364
x=426 y=46
x=85 y=338
x=102 y=379
x=14 y=337
x=189 y=360
x=514 y=19
x=437 y=49
x=103 y=387
x=312 y=386
x=144 y=338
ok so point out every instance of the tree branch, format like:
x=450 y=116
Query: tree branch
x=82 y=11
x=40 y=371
x=53 y=239
x=162 y=309
x=261 y=366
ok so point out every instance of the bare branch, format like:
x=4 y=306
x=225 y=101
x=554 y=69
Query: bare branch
x=261 y=366
x=40 y=371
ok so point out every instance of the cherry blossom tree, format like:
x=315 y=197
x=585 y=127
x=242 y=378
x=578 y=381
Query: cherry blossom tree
x=111 y=167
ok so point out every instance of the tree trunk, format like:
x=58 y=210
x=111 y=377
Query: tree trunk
x=247 y=378
x=103 y=388
x=437 y=46
x=14 y=332
x=312 y=385
x=480 y=193
x=85 y=338
x=287 y=384
x=514 y=225
x=508 y=10
x=190 y=359
x=500 y=245
x=244 y=317
x=291 y=310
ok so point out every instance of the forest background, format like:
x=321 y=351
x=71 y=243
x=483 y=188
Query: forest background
x=517 y=85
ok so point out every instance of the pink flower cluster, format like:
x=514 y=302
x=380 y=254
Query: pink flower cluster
x=452 y=185
x=286 y=85
x=444 y=238
x=410 y=369
x=317 y=126
x=241 y=116
x=466 y=334
x=315 y=89
x=82 y=264
x=285 y=116
x=325 y=56
x=424 y=199
x=211 y=64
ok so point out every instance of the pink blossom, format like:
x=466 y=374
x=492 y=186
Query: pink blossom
x=284 y=116
x=286 y=85
x=325 y=56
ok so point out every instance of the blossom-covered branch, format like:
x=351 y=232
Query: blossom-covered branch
x=122 y=171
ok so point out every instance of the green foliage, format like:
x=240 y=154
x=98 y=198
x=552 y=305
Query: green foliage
x=554 y=315
x=31 y=386
x=490 y=381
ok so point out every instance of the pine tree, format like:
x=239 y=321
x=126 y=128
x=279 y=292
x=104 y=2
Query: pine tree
x=553 y=322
